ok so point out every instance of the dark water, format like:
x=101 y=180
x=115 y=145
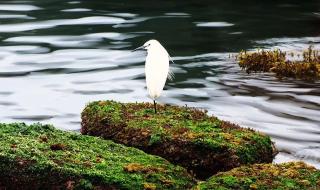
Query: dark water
x=55 y=56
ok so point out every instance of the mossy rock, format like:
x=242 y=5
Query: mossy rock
x=41 y=157
x=276 y=61
x=286 y=176
x=185 y=136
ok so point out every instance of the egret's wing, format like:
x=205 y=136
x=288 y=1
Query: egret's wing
x=170 y=73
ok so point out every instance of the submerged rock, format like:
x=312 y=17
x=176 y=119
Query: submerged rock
x=291 y=175
x=41 y=157
x=276 y=61
x=185 y=136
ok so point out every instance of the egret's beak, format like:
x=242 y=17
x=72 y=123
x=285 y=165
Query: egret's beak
x=141 y=47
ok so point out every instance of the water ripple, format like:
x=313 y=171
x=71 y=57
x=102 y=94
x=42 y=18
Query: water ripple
x=15 y=16
x=76 y=10
x=16 y=7
x=92 y=20
x=214 y=24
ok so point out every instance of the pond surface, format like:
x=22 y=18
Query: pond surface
x=57 y=55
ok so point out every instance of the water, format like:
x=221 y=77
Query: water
x=56 y=56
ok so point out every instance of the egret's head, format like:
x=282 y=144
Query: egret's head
x=148 y=45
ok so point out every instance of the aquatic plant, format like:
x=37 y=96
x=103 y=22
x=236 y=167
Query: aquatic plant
x=262 y=60
x=185 y=136
x=291 y=175
x=41 y=157
x=276 y=61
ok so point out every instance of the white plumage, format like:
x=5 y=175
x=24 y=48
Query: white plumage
x=156 y=68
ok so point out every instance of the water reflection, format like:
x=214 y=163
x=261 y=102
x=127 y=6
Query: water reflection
x=56 y=56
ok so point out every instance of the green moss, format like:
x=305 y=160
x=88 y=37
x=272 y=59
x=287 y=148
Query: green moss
x=276 y=61
x=186 y=136
x=292 y=175
x=230 y=181
x=39 y=156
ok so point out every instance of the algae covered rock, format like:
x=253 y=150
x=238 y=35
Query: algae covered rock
x=262 y=60
x=185 y=136
x=291 y=175
x=41 y=157
x=276 y=61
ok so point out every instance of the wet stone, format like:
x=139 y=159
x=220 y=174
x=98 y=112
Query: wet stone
x=68 y=160
x=185 y=136
x=291 y=175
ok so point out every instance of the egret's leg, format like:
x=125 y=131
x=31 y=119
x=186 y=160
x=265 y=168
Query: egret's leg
x=155 y=106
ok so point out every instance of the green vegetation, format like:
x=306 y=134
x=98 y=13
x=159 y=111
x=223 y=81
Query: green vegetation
x=186 y=136
x=292 y=175
x=276 y=61
x=41 y=157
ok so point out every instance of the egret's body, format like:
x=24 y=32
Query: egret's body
x=156 y=68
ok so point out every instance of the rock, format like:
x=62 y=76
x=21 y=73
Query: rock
x=185 y=136
x=291 y=175
x=42 y=157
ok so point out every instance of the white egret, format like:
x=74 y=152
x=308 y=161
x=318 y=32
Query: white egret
x=156 y=68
